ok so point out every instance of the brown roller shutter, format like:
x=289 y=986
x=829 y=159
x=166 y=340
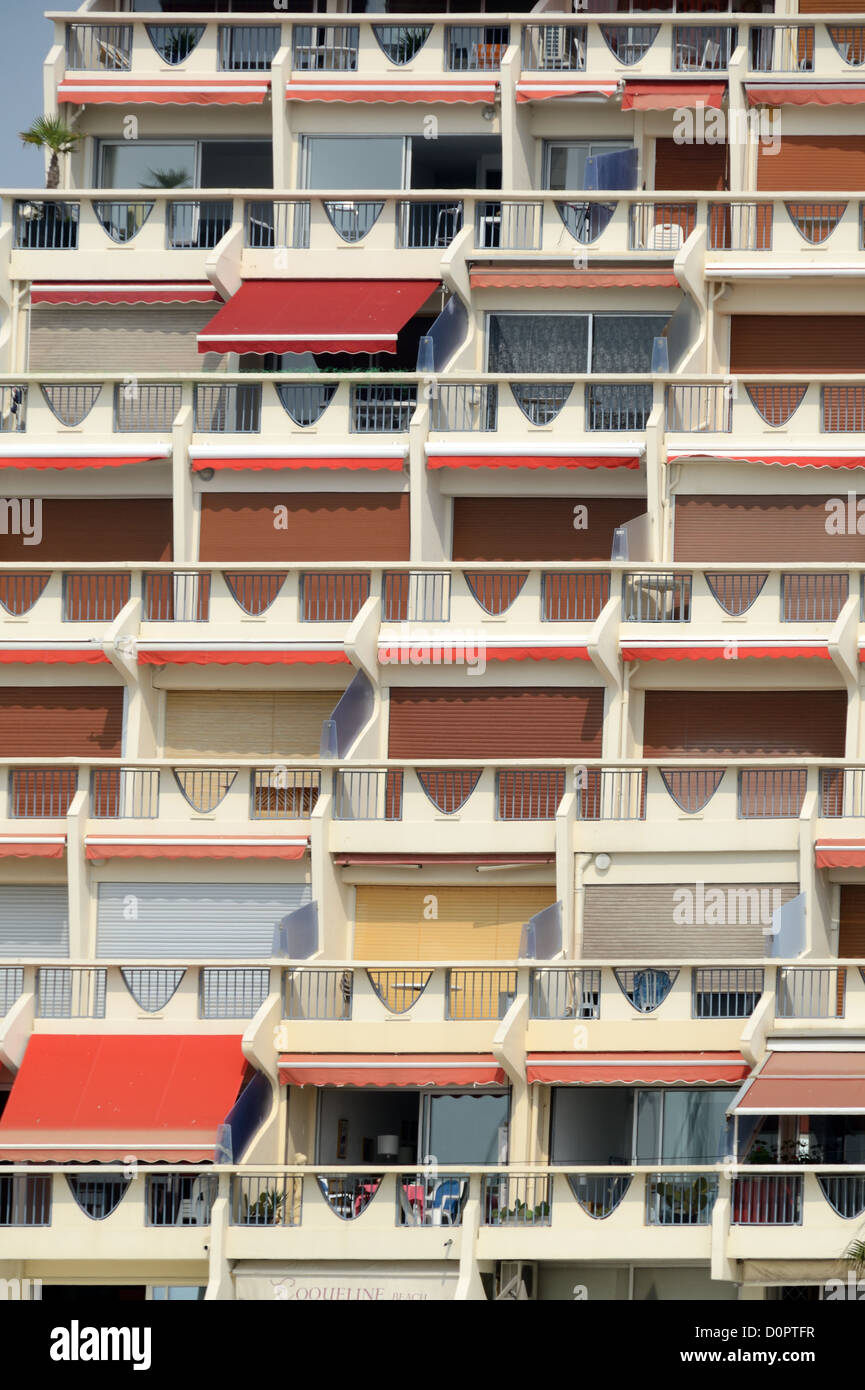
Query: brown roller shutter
x=641 y=920
x=246 y=723
x=470 y=923
x=744 y=723
x=500 y=723
x=765 y=529
x=851 y=938
x=61 y=721
x=832 y=6
x=75 y=530
x=130 y=337
x=797 y=343
x=812 y=164
x=680 y=168
x=317 y=526
x=538 y=528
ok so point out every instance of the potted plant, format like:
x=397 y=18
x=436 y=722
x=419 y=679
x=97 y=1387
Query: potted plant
x=266 y=1210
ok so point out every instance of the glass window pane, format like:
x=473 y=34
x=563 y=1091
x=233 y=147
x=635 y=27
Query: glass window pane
x=236 y=164
x=538 y=342
x=623 y=342
x=592 y=1124
x=648 y=1126
x=468 y=1129
x=567 y=162
x=143 y=164
x=695 y=1126
x=373 y=162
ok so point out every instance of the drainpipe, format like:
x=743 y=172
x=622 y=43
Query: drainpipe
x=582 y=862
x=716 y=294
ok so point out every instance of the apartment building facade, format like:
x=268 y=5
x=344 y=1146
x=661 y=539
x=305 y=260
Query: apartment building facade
x=432 y=859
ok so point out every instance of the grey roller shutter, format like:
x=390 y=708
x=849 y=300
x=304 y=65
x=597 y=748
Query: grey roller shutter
x=34 y=920
x=186 y=921
x=120 y=337
x=638 y=921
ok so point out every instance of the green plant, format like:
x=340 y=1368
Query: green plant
x=167 y=178
x=684 y=1200
x=521 y=1214
x=51 y=133
x=179 y=44
x=266 y=1210
x=855 y=1256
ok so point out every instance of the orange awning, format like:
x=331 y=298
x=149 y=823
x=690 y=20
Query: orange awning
x=799 y=459
x=425 y=91
x=191 y=847
x=670 y=96
x=115 y=460
x=573 y=280
x=88 y=90
x=734 y=649
x=104 y=1097
x=571 y=459
x=805 y=94
x=446 y=654
x=636 y=1068
x=88 y=653
x=315 y=316
x=32 y=846
x=803 y=1082
x=123 y=292
x=241 y=656
x=390 y=1069
x=564 y=88
x=840 y=854
x=373 y=462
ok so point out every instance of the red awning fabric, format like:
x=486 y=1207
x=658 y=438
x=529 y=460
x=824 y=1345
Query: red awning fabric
x=242 y=656
x=798 y=460
x=101 y=1096
x=32 y=847
x=72 y=461
x=636 y=1068
x=390 y=1069
x=805 y=94
x=395 y=860
x=154 y=847
x=801 y=1082
x=840 y=854
x=28 y=656
x=378 y=463
x=723 y=652
x=573 y=280
x=670 y=96
x=400 y=653
x=250 y=90
x=123 y=292
x=420 y=90
x=563 y=88
x=532 y=461
x=315 y=316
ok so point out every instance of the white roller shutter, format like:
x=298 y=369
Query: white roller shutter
x=34 y=920
x=188 y=921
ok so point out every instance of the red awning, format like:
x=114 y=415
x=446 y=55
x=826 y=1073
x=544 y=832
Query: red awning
x=805 y=94
x=636 y=1068
x=32 y=846
x=98 y=1096
x=406 y=859
x=797 y=460
x=315 y=316
x=250 y=90
x=572 y=460
x=801 y=1082
x=123 y=292
x=446 y=654
x=670 y=96
x=73 y=461
x=390 y=1069
x=28 y=656
x=840 y=854
x=180 y=847
x=564 y=88
x=731 y=650
x=241 y=656
x=573 y=280
x=425 y=91
x=375 y=463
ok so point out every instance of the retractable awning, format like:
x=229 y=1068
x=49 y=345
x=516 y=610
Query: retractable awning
x=721 y=651
x=315 y=316
x=806 y=1081
x=627 y=455
x=563 y=88
x=88 y=90
x=385 y=458
x=79 y=455
x=573 y=279
x=66 y=653
x=274 y=654
x=123 y=292
x=191 y=847
x=799 y=459
x=805 y=94
x=840 y=854
x=32 y=846
x=390 y=1069
x=636 y=1068
x=670 y=96
x=104 y=1097
x=445 y=653
x=413 y=91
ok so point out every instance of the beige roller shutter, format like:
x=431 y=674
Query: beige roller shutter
x=119 y=337
x=246 y=724
x=718 y=921
x=471 y=923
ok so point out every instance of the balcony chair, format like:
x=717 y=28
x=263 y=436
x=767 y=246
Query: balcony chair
x=665 y=236
x=447 y=1202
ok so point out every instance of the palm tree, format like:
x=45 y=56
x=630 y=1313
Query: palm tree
x=167 y=178
x=51 y=133
x=855 y=1255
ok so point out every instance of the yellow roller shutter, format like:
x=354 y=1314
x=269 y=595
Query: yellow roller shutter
x=246 y=724
x=436 y=922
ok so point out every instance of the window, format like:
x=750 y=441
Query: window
x=640 y=1125
x=565 y=162
x=185 y=164
x=570 y=342
x=177 y=1293
x=466 y=1128
x=332 y=162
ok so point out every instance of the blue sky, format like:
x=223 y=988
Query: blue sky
x=26 y=39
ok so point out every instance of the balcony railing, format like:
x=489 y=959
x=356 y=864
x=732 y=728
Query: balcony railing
x=767 y=1200
x=475 y=47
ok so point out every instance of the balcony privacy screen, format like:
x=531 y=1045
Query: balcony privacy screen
x=565 y=342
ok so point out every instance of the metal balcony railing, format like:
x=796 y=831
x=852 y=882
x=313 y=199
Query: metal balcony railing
x=618 y=407
x=680 y=1199
x=325 y=47
x=318 y=994
x=424 y=1200
x=284 y=794
x=382 y=409
x=230 y=409
x=466 y=408
x=199 y=224
x=699 y=409
x=475 y=47
x=99 y=47
x=518 y=1200
x=264 y=1200
x=332 y=598
x=657 y=226
x=70 y=992
x=11 y=987
x=702 y=49
x=573 y=598
x=656 y=598
x=175 y=1200
x=553 y=48
x=94 y=598
x=280 y=225
x=782 y=48
x=529 y=795
x=557 y=992
x=429 y=224
x=508 y=226
x=229 y=992
x=810 y=992
x=37 y=793
x=722 y=992
x=124 y=793
x=145 y=408
x=474 y=995
x=611 y=794
x=813 y=598
x=766 y=1200
x=46 y=226
x=367 y=795
x=771 y=793
x=247 y=47
x=25 y=1201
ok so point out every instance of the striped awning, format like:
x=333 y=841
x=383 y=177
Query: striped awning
x=90 y=90
x=636 y=1068
x=390 y=1069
